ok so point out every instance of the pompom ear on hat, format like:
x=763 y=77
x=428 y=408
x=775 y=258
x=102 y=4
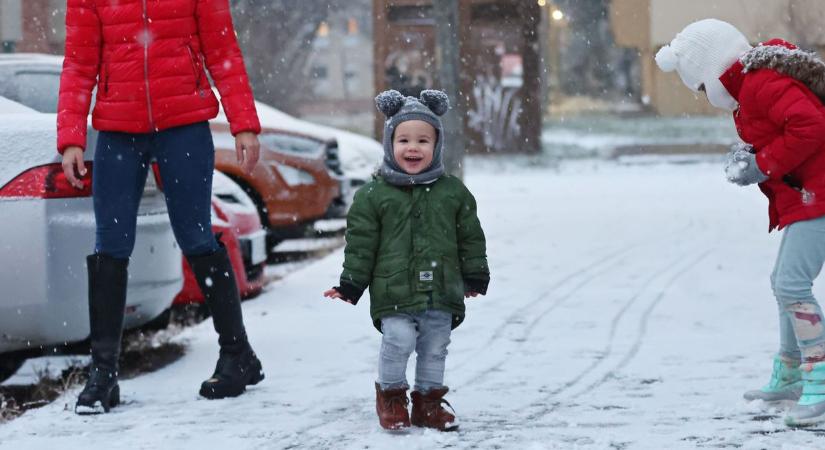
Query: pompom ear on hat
x=437 y=101
x=389 y=102
x=667 y=59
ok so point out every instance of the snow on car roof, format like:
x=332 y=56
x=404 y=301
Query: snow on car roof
x=11 y=107
x=16 y=58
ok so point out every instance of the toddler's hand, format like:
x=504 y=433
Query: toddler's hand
x=469 y=294
x=333 y=293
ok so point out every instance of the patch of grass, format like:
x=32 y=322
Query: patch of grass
x=142 y=352
x=16 y=400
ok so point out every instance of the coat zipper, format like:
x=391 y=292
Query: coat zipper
x=146 y=63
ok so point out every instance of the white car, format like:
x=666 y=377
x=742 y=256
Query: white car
x=47 y=228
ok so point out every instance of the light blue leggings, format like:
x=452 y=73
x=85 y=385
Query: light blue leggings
x=800 y=259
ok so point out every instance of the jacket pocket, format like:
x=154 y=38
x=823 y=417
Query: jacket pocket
x=453 y=281
x=391 y=280
x=104 y=75
x=196 y=69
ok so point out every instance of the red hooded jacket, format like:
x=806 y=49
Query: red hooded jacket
x=785 y=123
x=148 y=59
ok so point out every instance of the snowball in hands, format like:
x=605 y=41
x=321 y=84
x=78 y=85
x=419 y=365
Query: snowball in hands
x=735 y=169
x=741 y=167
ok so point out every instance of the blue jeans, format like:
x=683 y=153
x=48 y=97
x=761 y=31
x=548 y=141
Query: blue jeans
x=800 y=259
x=428 y=333
x=186 y=159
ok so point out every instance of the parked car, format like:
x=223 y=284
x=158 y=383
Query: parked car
x=352 y=157
x=293 y=184
x=46 y=231
x=358 y=156
x=235 y=218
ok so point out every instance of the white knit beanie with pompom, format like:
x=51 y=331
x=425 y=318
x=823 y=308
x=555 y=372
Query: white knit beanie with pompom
x=701 y=53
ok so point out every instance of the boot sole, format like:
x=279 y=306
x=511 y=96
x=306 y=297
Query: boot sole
x=805 y=423
x=449 y=429
x=100 y=406
x=753 y=396
x=209 y=393
x=396 y=428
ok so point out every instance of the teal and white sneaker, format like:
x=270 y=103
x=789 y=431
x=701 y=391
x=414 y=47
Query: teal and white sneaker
x=785 y=384
x=811 y=407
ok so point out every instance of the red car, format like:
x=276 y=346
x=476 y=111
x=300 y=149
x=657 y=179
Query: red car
x=236 y=218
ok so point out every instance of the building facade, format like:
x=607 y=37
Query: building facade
x=340 y=71
x=500 y=66
x=32 y=26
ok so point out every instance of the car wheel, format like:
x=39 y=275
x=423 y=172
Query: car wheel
x=9 y=366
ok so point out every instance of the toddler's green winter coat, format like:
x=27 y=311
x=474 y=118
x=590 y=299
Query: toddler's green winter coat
x=416 y=247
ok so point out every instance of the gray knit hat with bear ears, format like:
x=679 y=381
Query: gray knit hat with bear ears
x=430 y=105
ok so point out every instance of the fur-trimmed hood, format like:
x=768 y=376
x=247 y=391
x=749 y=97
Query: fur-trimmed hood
x=789 y=60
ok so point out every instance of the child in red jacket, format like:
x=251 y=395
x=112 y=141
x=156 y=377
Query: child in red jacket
x=776 y=93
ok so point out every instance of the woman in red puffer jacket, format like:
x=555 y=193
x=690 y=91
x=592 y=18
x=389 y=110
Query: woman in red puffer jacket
x=776 y=93
x=148 y=59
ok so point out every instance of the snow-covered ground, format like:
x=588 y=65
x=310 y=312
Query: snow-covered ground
x=630 y=307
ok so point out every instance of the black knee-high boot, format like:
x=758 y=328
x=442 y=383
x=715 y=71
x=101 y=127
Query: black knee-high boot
x=238 y=366
x=107 y=302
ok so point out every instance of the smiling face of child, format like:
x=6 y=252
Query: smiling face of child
x=413 y=146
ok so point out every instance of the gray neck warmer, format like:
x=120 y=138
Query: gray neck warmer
x=428 y=108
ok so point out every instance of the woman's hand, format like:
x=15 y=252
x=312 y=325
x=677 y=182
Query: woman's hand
x=248 y=150
x=333 y=293
x=73 y=166
x=469 y=294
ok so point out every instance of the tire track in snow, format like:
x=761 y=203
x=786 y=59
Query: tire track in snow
x=613 y=259
x=642 y=325
x=546 y=407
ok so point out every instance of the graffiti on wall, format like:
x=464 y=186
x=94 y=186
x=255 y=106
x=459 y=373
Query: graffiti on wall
x=494 y=112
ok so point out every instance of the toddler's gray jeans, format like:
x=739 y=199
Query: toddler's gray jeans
x=426 y=332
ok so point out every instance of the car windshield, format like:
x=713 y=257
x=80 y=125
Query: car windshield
x=300 y=146
x=36 y=89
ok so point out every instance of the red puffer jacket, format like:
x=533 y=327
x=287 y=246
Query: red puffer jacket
x=785 y=122
x=147 y=58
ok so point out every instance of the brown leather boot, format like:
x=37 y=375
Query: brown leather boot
x=391 y=406
x=428 y=410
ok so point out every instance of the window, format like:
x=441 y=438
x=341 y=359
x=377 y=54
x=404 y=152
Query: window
x=352 y=26
x=320 y=72
x=295 y=145
x=36 y=89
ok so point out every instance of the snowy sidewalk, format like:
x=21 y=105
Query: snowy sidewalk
x=629 y=308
